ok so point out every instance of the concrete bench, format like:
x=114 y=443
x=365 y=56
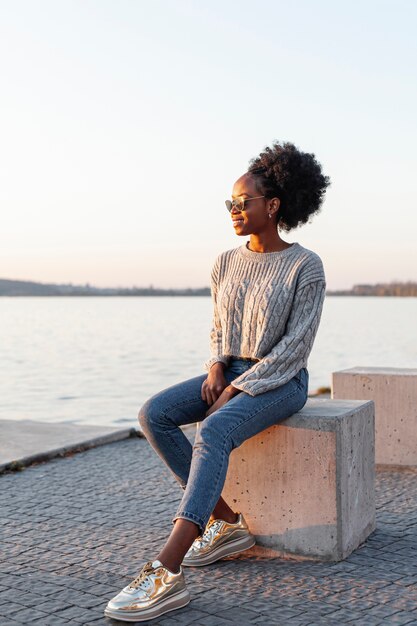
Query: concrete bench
x=394 y=392
x=306 y=486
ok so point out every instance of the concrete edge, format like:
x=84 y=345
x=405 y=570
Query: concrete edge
x=309 y=417
x=388 y=467
x=369 y=370
x=41 y=457
x=342 y=490
x=261 y=551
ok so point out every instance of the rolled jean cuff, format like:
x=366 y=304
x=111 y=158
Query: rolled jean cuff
x=191 y=518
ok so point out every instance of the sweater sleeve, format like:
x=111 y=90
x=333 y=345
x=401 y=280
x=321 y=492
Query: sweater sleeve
x=291 y=352
x=216 y=334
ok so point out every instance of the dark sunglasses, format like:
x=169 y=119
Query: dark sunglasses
x=239 y=203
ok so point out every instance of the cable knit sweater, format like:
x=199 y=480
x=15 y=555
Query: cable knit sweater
x=267 y=307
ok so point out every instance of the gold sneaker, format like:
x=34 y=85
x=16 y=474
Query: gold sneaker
x=219 y=539
x=154 y=591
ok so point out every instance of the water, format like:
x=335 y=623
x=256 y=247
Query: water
x=96 y=360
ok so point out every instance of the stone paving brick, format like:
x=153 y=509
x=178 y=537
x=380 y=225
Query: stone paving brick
x=210 y=620
x=344 y=615
x=51 y=607
x=75 y=530
x=203 y=604
x=27 y=599
x=51 y=620
x=25 y=615
x=402 y=617
x=409 y=581
x=238 y=614
x=303 y=619
x=9 y=608
x=77 y=614
x=168 y=620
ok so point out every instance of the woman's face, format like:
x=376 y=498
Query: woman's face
x=254 y=218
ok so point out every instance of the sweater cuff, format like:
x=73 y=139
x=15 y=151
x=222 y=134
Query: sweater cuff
x=248 y=388
x=261 y=385
x=216 y=359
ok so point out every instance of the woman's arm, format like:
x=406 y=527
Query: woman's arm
x=290 y=354
x=216 y=334
x=215 y=383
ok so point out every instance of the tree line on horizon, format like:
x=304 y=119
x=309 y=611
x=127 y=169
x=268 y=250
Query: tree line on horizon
x=396 y=288
x=18 y=288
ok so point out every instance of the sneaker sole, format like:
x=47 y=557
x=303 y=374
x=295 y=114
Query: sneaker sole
x=234 y=547
x=170 y=604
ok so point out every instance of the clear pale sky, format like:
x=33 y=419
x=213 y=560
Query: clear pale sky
x=124 y=125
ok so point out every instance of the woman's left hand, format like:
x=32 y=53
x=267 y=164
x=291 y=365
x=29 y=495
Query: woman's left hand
x=228 y=393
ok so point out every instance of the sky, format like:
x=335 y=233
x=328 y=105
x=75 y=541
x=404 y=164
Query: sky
x=124 y=124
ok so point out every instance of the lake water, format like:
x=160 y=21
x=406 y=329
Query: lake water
x=96 y=360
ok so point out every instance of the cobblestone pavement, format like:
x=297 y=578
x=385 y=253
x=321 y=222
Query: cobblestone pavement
x=75 y=530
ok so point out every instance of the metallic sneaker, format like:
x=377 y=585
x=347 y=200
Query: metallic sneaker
x=220 y=539
x=154 y=591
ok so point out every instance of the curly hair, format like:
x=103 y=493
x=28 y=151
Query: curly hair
x=283 y=171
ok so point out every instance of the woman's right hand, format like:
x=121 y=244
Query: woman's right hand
x=214 y=384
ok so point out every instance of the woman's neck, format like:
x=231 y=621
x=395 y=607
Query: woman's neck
x=267 y=243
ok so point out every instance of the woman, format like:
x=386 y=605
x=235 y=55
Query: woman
x=268 y=297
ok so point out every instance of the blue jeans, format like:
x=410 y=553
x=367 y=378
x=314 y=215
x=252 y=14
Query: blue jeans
x=201 y=469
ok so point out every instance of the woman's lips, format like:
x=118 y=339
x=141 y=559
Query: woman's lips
x=237 y=222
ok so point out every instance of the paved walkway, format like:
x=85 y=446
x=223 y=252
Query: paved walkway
x=23 y=442
x=75 y=530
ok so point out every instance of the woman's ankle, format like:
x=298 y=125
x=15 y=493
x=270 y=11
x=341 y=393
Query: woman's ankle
x=174 y=568
x=230 y=518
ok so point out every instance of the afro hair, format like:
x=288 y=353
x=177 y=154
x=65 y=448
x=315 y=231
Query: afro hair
x=283 y=171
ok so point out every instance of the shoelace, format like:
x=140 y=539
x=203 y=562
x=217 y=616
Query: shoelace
x=141 y=578
x=209 y=532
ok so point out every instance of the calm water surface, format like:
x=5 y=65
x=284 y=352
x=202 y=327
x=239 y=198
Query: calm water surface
x=96 y=360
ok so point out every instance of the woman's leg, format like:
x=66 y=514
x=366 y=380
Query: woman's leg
x=161 y=417
x=163 y=414
x=227 y=428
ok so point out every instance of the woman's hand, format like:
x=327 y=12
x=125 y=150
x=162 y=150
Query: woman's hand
x=224 y=397
x=214 y=384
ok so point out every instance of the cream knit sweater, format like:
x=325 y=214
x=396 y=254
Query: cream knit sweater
x=267 y=307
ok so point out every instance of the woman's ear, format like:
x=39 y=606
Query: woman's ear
x=274 y=205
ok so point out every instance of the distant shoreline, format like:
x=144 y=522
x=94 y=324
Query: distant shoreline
x=17 y=288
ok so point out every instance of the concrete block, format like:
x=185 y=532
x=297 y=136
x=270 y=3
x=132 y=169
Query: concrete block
x=394 y=392
x=306 y=485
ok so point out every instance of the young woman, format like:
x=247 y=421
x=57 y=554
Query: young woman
x=268 y=296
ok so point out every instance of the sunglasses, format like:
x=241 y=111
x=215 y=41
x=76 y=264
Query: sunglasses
x=239 y=203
